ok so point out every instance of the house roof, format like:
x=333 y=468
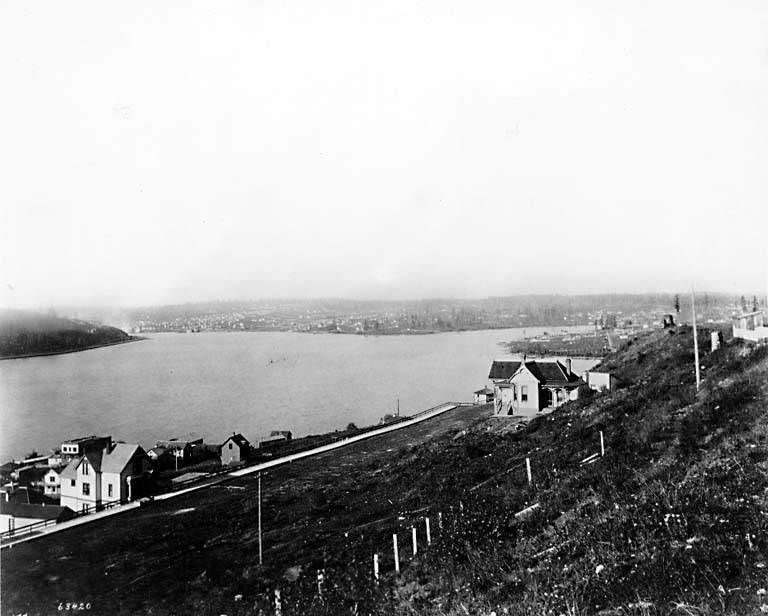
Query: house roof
x=117 y=459
x=70 y=470
x=39 y=512
x=94 y=457
x=503 y=369
x=237 y=439
x=484 y=390
x=552 y=373
x=24 y=495
x=173 y=444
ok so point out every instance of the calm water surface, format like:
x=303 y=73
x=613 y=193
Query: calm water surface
x=213 y=384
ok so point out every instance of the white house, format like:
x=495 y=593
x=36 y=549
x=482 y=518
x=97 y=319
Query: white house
x=600 y=381
x=81 y=482
x=122 y=471
x=52 y=483
x=529 y=387
x=484 y=396
x=14 y=516
x=97 y=477
x=750 y=326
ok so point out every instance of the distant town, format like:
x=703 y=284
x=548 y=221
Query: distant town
x=438 y=315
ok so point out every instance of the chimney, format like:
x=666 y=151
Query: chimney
x=568 y=366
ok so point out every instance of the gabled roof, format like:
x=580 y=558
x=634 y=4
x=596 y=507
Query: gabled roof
x=237 y=439
x=38 y=512
x=484 y=390
x=117 y=459
x=94 y=457
x=503 y=369
x=23 y=495
x=70 y=470
x=551 y=373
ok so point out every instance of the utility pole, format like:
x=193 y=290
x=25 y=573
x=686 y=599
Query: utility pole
x=695 y=339
x=261 y=558
x=398 y=407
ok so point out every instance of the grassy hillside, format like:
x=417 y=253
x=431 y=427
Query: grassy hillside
x=25 y=334
x=670 y=521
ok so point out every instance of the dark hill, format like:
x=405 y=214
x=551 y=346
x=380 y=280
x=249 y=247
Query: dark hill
x=24 y=334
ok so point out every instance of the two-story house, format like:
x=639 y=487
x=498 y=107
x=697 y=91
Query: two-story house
x=97 y=477
x=52 y=483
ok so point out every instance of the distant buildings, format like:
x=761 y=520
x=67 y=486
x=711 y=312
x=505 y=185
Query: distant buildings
x=529 y=387
x=180 y=451
x=274 y=438
x=600 y=381
x=750 y=326
x=484 y=395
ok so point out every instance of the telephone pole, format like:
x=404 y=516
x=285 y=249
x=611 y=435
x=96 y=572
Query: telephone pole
x=695 y=339
x=261 y=558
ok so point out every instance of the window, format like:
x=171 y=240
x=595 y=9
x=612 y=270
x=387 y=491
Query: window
x=86 y=489
x=109 y=490
x=85 y=467
x=230 y=445
x=72 y=482
x=523 y=393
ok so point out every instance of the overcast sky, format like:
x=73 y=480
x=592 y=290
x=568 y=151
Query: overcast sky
x=156 y=152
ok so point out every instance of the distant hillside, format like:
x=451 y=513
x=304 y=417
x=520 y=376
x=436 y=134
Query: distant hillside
x=24 y=334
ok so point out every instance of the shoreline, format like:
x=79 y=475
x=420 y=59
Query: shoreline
x=67 y=351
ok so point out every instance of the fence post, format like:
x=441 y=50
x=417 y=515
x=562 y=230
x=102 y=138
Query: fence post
x=429 y=535
x=397 y=555
x=278 y=605
x=440 y=520
x=413 y=534
x=376 y=567
x=320 y=579
x=528 y=470
x=602 y=444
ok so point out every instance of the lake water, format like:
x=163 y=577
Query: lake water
x=213 y=384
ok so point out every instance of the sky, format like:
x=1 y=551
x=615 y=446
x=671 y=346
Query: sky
x=180 y=151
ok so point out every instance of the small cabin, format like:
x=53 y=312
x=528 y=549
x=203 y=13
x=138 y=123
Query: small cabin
x=235 y=450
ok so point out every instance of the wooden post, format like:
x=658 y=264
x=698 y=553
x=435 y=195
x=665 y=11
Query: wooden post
x=528 y=470
x=376 y=567
x=397 y=555
x=261 y=553
x=429 y=535
x=320 y=583
x=440 y=520
x=602 y=444
x=278 y=605
x=695 y=339
x=413 y=534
